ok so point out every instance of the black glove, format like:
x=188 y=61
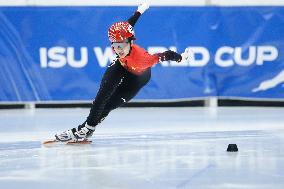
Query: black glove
x=169 y=55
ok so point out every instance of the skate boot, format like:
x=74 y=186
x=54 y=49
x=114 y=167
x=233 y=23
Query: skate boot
x=79 y=134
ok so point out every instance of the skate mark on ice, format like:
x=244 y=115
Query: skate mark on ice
x=197 y=174
x=22 y=145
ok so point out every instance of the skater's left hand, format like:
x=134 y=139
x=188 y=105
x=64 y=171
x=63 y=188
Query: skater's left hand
x=143 y=7
x=170 y=55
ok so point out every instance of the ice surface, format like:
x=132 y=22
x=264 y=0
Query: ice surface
x=149 y=148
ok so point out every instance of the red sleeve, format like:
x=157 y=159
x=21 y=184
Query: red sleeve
x=142 y=58
x=138 y=60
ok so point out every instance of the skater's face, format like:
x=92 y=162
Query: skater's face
x=121 y=48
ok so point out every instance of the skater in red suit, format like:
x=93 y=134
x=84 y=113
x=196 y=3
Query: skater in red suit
x=124 y=77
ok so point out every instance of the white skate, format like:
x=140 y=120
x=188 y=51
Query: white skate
x=74 y=136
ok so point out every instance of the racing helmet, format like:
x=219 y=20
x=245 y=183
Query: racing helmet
x=120 y=31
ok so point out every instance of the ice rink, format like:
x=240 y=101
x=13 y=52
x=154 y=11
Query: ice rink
x=145 y=148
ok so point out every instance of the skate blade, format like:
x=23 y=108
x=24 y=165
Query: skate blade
x=80 y=142
x=50 y=141
x=54 y=141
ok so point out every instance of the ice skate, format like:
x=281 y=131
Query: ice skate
x=77 y=135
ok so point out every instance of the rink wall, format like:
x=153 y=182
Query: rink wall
x=58 y=53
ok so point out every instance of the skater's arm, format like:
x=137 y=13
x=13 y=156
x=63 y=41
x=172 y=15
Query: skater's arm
x=133 y=19
x=140 y=10
x=147 y=60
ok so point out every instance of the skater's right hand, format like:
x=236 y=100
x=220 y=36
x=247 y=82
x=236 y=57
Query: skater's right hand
x=143 y=7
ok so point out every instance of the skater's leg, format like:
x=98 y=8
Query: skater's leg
x=127 y=90
x=112 y=78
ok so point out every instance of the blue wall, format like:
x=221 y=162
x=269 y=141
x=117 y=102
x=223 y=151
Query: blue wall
x=60 y=53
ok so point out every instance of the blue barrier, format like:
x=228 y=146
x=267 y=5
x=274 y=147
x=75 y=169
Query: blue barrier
x=60 y=53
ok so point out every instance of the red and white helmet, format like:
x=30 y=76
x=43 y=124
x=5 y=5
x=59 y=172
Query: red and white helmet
x=120 y=31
